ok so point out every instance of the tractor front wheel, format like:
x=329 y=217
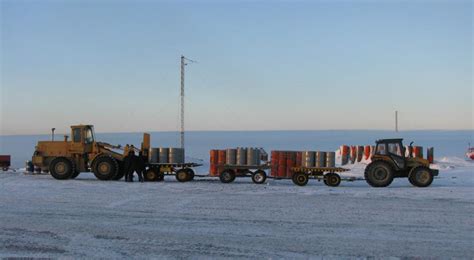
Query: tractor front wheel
x=420 y=176
x=379 y=174
x=61 y=168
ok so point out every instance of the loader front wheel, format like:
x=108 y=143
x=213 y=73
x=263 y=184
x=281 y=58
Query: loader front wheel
x=61 y=168
x=106 y=168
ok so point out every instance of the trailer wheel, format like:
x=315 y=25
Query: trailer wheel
x=61 y=168
x=332 y=179
x=106 y=168
x=300 y=178
x=5 y=169
x=191 y=174
x=151 y=175
x=420 y=176
x=227 y=176
x=182 y=175
x=259 y=177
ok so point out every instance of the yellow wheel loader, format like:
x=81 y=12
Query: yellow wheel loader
x=66 y=159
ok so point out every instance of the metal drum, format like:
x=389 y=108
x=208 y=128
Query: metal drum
x=154 y=155
x=253 y=156
x=176 y=155
x=241 y=157
x=163 y=156
x=231 y=156
x=307 y=159
x=320 y=159
x=330 y=159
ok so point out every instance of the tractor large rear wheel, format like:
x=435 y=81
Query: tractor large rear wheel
x=106 y=168
x=61 y=168
x=379 y=174
x=420 y=176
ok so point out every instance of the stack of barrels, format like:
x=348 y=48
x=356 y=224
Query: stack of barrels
x=166 y=155
x=283 y=161
x=355 y=153
x=239 y=156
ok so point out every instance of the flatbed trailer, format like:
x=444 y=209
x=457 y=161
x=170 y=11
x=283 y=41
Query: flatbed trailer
x=182 y=171
x=329 y=175
x=228 y=173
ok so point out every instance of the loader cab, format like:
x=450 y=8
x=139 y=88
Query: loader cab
x=82 y=138
x=393 y=149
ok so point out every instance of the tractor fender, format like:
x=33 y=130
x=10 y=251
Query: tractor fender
x=389 y=162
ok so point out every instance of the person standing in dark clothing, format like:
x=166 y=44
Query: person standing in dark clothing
x=128 y=166
x=140 y=166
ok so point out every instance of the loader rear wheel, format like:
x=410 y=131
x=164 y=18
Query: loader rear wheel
x=227 y=176
x=259 y=177
x=106 y=168
x=182 y=175
x=420 y=176
x=379 y=174
x=61 y=168
x=332 y=179
x=300 y=178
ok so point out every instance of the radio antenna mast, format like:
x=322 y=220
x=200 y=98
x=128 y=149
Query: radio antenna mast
x=183 y=63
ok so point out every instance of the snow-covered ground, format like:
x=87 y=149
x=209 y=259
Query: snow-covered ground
x=84 y=218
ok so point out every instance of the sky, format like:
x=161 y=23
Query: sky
x=261 y=65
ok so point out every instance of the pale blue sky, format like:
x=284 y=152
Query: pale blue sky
x=262 y=65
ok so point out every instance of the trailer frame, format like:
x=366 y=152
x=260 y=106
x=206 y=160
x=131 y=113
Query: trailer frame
x=182 y=171
x=329 y=175
x=228 y=172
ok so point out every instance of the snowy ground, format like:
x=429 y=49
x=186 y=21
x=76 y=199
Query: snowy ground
x=43 y=217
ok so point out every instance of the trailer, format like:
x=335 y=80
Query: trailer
x=329 y=175
x=182 y=171
x=228 y=173
x=5 y=162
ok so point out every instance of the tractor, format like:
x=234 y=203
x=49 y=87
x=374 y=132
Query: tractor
x=66 y=159
x=389 y=162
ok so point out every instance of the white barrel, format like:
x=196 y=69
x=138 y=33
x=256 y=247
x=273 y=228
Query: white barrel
x=176 y=155
x=231 y=156
x=153 y=155
x=163 y=156
x=307 y=159
x=320 y=159
x=330 y=159
x=241 y=157
x=253 y=156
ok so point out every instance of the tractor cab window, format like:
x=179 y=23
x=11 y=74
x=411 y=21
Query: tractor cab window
x=381 y=149
x=394 y=148
x=89 y=136
x=76 y=135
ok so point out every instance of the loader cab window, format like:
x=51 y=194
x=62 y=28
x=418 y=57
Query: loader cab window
x=76 y=135
x=89 y=135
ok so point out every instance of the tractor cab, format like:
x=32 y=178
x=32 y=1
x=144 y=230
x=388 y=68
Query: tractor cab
x=393 y=149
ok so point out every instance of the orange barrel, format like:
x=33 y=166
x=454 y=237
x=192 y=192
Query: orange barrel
x=221 y=157
x=282 y=165
x=430 y=154
x=353 y=154
x=213 y=162
x=344 y=154
x=274 y=163
x=290 y=162
x=299 y=156
x=367 y=152
x=418 y=151
x=360 y=153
